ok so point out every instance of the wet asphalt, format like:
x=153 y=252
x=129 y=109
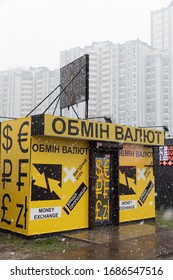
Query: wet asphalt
x=125 y=242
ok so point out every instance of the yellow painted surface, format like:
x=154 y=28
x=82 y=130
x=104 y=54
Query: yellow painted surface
x=59 y=190
x=136 y=183
x=15 y=175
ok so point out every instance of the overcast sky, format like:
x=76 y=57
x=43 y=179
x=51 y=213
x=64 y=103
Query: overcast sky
x=33 y=32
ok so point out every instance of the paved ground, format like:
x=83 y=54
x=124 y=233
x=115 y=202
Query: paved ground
x=126 y=242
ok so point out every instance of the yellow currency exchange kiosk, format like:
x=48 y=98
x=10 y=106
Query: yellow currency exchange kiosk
x=60 y=174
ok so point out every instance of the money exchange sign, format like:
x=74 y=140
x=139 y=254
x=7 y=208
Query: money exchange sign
x=59 y=187
x=98 y=131
x=136 y=183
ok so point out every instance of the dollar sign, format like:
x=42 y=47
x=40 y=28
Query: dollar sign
x=7 y=146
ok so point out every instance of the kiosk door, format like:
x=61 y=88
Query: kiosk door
x=104 y=188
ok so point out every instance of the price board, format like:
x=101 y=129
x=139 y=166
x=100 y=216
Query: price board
x=166 y=155
x=74 y=82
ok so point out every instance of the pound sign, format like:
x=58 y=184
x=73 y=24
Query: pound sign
x=5 y=208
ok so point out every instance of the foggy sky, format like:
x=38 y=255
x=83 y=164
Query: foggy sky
x=33 y=32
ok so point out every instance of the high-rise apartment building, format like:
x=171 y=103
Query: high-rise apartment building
x=162 y=40
x=116 y=80
x=44 y=82
x=157 y=92
x=22 y=90
x=162 y=29
x=16 y=92
x=130 y=86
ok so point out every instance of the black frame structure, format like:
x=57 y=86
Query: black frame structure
x=74 y=81
x=103 y=150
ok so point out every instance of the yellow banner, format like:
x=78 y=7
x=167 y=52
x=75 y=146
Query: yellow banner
x=136 y=183
x=59 y=189
x=90 y=130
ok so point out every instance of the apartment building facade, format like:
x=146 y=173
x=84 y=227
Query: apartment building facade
x=162 y=40
x=116 y=80
x=157 y=90
x=22 y=90
x=16 y=91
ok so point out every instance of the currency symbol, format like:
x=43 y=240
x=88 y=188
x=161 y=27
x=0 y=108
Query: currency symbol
x=22 y=214
x=21 y=174
x=7 y=146
x=22 y=137
x=98 y=209
x=7 y=171
x=5 y=208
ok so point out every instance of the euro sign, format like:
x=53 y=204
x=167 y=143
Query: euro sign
x=23 y=137
x=8 y=143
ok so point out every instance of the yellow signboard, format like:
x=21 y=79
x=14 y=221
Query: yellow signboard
x=136 y=183
x=90 y=130
x=15 y=178
x=59 y=189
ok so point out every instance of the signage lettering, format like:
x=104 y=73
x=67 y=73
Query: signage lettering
x=75 y=198
x=127 y=204
x=45 y=148
x=45 y=213
x=84 y=129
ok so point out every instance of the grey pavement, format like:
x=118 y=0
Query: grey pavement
x=125 y=242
